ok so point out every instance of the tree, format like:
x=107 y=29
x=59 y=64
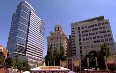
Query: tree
x=104 y=51
x=2 y=62
x=101 y=53
x=91 y=55
x=9 y=62
x=56 y=55
x=49 y=55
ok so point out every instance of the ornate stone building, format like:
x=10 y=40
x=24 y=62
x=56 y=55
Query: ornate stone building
x=57 y=39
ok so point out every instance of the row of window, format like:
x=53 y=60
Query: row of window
x=88 y=34
x=103 y=40
x=96 y=37
x=93 y=29
x=94 y=25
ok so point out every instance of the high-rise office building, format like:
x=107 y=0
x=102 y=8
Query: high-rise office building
x=58 y=39
x=89 y=35
x=26 y=37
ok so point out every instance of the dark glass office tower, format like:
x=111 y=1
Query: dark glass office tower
x=26 y=37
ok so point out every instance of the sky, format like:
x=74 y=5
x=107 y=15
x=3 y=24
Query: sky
x=64 y=12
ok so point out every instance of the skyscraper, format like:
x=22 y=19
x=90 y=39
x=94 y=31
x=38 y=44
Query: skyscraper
x=26 y=37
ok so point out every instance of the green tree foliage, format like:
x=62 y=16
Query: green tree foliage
x=2 y=62
x=104 y=51
x=56 y=55
x=23 y=65
x=13 y=63
x=9 y=62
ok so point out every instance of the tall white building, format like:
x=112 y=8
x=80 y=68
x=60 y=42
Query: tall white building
x=89 y=35
x=26 y=36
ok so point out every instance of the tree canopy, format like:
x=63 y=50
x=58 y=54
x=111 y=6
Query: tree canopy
x=104 y=51
x=54 y=55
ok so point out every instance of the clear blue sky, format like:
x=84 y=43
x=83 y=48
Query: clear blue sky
x=63 y=11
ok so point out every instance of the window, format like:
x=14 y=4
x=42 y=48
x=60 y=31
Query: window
x=106 y=22
x=82 y=27
x=78 y=28
x=106 y=39
x=105 y=35
x=86 y=34
x=90 y=37
x=73 y=36
x=96 y=28
x=102 y=23
x=81 y=52
x=80 y=47
x=72 y=31
x=72 y=28
x=58 y=28
x=110 y=39
x=94 y=41
x=91 y=46
x=97 y=36
x=108 y=30
x=95 y=24
x=102 y=40
x=79 y=39
x=109 y=34
x=94 y=37
x=80 y=43
x=99 y=24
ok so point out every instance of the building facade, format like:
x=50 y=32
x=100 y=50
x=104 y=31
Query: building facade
x=26 y=36
x=57 y=39
x=89 y=35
